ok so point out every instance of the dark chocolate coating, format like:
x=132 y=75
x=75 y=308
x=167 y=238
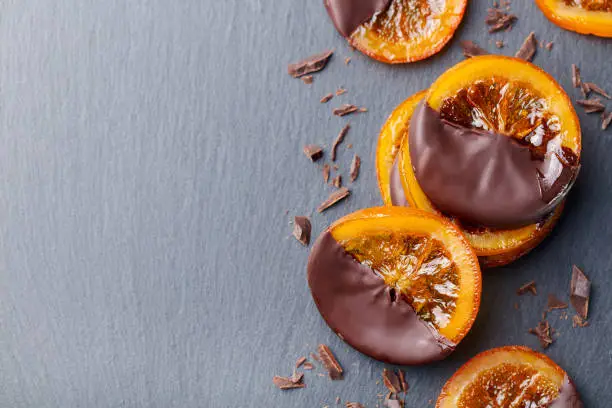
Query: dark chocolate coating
x=568 y=396
x=482 y=177
x=358 y=306
x=347 y=15
x=398 y=197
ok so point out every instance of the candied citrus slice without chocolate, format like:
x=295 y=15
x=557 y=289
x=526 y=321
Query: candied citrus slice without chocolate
x=582 y=16
x=509 y=377
x=494 y=247
x=397 y=31
x=400 y=285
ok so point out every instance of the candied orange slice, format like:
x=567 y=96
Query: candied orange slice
x=424 y=257
x=409 y=30
x=508 y=377
x=494 y=247
x=582 y=16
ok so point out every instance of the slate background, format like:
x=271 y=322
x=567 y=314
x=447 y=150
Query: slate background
x=149 y=152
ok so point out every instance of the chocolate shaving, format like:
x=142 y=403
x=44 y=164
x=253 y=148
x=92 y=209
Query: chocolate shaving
x=313 y=152
x=402 y=379
x=549 y=46
x=340 y=91
x=580 y=292
x=337 y=181
x=326 y=98
x=499 y=20
x=326 y=170
x=528 y=49
x=353 y=405
x=287 y=383
x=528 y=287
x=345 y=109
x=391 y=381
x=542 y=331
x=597 y=89
x=339 y=140
x=393 y=403
x=606 y=119
x=307 y=79
x=301 y=232
x=576 y=81
x=329 y=362
x=334 y=198
x=471 y=49
x=555 y=303
x=309 y=65
x=591 y=105
x=300 y=361
x=578 y=321
x=347 y=60
x=584 y=88
x=355 y=166
x=307 y=366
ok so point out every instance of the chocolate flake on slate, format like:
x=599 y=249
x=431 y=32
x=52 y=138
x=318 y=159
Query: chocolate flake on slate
x=326 y=170
x=307 y=366
x=591 y=105
x=549 y=46
x=311 y=64
x=334 y=198
x=391 y=381
x=300 y=361
x=353 y=405
x=528 y=287
x=363 y=109
x=580 y=292
x=499 y=44
x=286 y=383
x=301 y=232
x=576 y=81
x=335 y=167
x=393 y=403
x=606 y=119
x=578 y=321
x=313 y=152
x=347 y=60
x=597 y=89
x=471 y=49
x=329 y=362
x=542 y=331
x=339 y=140
x=584 y=88
x=498 y=20
x=340 y=91
x=307 y=79
x=337 y=181
x=555 y=303
x=528 y=49
x=345 y=109
x=326 y=98
x=355 y=166
x=402 y=379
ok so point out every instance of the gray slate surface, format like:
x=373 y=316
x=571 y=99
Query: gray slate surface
x=150 y=151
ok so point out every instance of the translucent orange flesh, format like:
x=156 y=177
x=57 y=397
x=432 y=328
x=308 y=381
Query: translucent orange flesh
x=509 y=386
x=417 y=267
x=404 y=20
x=511 y=108
x=591 y=5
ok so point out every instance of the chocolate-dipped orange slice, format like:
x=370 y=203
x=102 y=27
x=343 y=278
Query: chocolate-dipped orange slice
x=400 y=285
x=509 y=377
x=397 y=31
x=582 y=16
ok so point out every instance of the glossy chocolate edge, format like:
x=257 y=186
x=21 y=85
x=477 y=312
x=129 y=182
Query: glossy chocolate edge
x=362 y=310
x=396 y=189
x=568 y=396
x=348 y=15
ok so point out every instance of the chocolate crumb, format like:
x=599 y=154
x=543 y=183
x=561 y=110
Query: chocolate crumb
x=555 y=303
x=307 y=366
x=516 y=306
x=549 y=46
x=301 y=232
x=341 y=91
x=347 y=60
x=329 y=361
x=300 y=361
x=528 y=49
x=345 y=109
x=339 y=140
x=315 y=357
x=362 y=109
x=578 y=321
x=286 y=383
x=353 y=405
x=591 y=105
x=498 y=20
x=597 y=89
x=307 y=79
x=337 y=181
x=576 y=80
x=499 y=44
x=355 y=166
x=309 y=65
x=580 y=292
x=326 y=170
x=391 y=381
x=327 y=98
x=528 y=287
x=349 y=146
x=606 y=119
x=542 y=331
x=313 y=152
x=335 y=167
x=471 y=49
